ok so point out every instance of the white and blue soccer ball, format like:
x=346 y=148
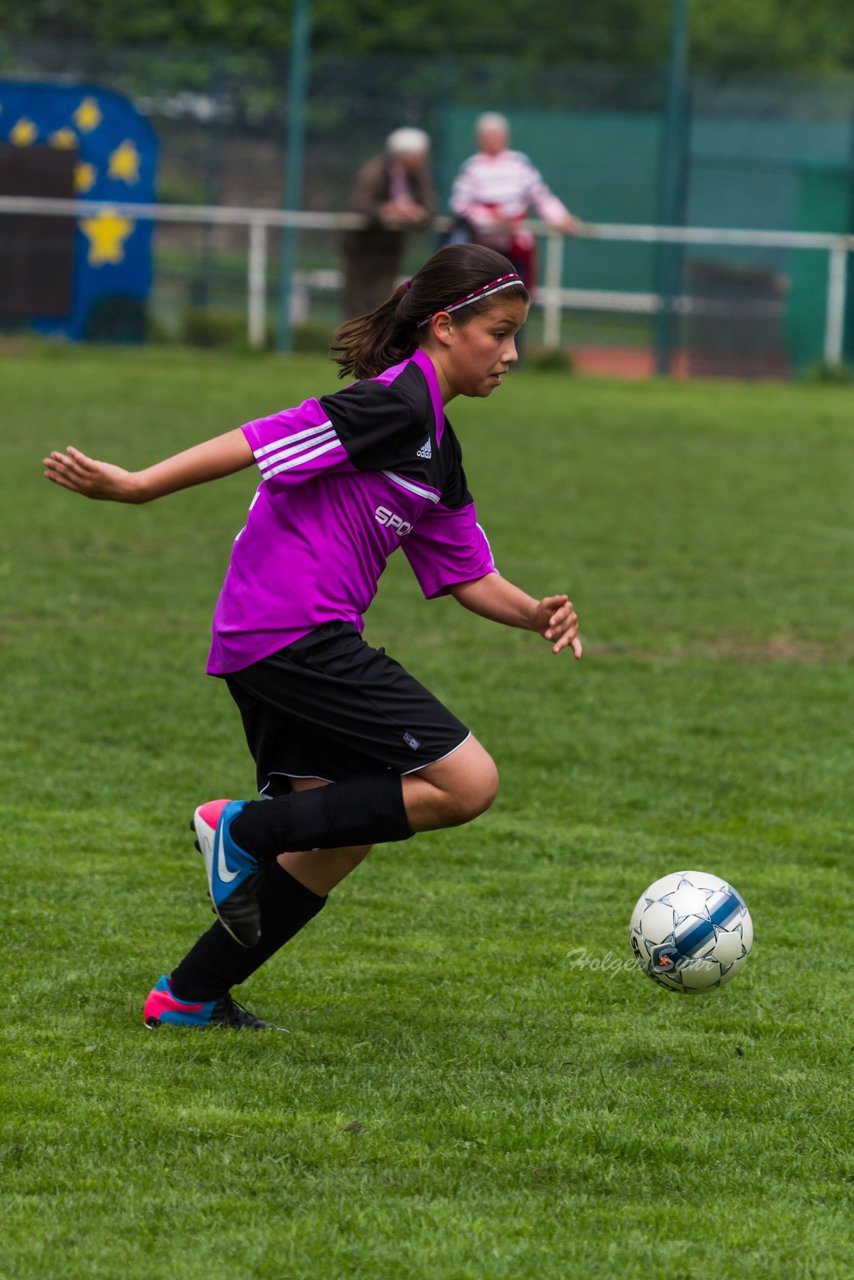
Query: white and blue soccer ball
x=691 y=931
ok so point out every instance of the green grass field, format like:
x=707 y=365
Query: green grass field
x=476 y=1084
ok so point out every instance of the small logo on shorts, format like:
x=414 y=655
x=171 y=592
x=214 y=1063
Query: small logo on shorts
x=426 y=450
x=411 y=742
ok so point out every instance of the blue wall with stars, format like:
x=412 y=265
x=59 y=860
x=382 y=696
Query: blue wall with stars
x=116 y=151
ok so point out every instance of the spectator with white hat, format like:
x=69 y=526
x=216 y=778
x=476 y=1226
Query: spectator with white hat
x=395 y=192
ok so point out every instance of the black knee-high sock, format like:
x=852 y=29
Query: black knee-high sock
x=367 y=810
x=216 y=963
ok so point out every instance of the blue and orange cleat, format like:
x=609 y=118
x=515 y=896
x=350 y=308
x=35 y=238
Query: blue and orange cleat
x=232 y=872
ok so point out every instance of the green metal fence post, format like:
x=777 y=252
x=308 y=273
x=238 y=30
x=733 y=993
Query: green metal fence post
x=848 y=330
x=672 y=180
x=292 y=196
x=200 y=290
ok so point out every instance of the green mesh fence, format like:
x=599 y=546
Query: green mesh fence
x=741 y=172
x=770 y=152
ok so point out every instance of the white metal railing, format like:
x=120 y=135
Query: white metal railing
x=551 y=295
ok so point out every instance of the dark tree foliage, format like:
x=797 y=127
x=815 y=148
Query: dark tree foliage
x=808 y=34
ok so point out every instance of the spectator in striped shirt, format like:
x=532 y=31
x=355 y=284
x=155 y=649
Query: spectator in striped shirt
x=494 y=192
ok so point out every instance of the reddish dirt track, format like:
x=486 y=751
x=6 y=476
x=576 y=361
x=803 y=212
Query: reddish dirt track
x=622 y=362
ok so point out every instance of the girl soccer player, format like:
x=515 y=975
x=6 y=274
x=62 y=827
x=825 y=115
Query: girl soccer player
x=349 y=749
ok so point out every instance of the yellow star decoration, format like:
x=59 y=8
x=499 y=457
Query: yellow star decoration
x=85 y=176
x=124 y=162
x=24 y=133
x=63 y=139
x=88 y=115
x=106 y=232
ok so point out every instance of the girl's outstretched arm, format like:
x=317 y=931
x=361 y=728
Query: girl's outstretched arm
x=494 y=597
x=209 y=461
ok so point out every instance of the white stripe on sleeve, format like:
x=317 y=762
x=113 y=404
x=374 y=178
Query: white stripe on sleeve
x=281 y=454
x=302 y=457
x=292 y=439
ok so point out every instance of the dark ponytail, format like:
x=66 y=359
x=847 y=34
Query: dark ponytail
x=366 y=345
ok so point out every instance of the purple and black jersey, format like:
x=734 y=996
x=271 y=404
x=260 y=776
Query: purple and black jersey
x=346 y=480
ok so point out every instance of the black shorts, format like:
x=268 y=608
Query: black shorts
x=329 y=706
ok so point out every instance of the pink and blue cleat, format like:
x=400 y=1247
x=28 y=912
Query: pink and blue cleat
x=164 y=1009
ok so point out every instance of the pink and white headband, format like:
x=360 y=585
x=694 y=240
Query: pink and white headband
x=494 y=286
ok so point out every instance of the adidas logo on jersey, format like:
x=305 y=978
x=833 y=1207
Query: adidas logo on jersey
x=426 y=450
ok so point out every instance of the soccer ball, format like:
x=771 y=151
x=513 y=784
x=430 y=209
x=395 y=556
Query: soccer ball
x=691 y=931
